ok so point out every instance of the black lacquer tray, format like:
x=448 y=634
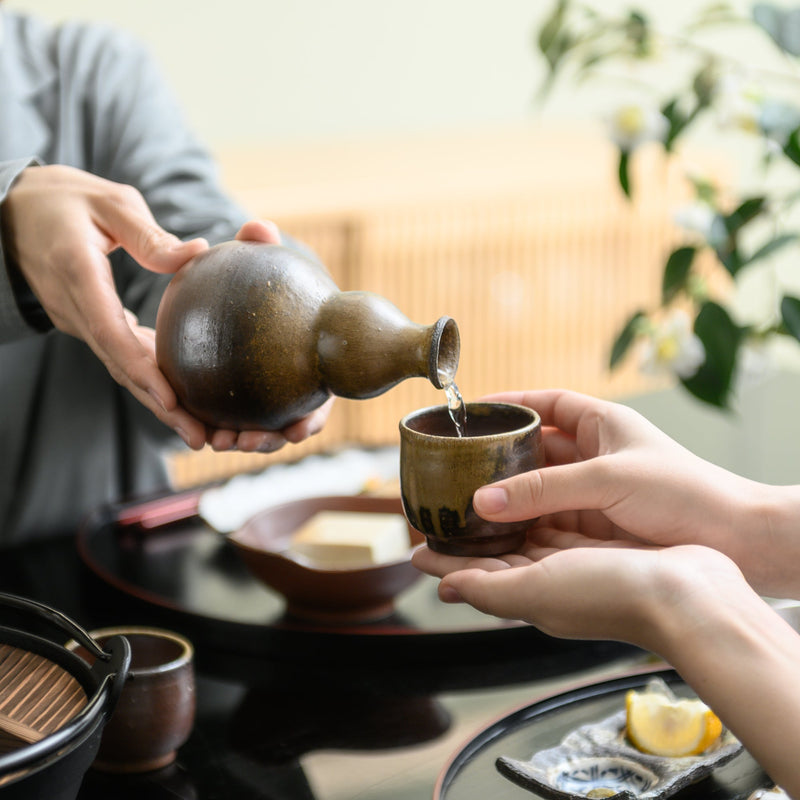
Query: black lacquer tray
x=162 y=556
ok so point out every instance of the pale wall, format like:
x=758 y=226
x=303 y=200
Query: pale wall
x=268 y=70
x=272 y=70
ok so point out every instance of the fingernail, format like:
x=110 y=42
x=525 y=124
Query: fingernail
x=447 y=594
x=269 y=445
x=491 y=499
x=185 y=436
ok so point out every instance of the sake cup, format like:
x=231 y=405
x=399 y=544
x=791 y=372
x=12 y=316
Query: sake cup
x=155 y=711
x=440 y=471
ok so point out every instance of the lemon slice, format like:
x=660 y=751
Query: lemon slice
x=661 y=726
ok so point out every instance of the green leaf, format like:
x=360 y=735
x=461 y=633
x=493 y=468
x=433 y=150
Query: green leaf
x=721 y=338
x=679 y=119
x=676 y=272
x=733 y=260
x=792 y=147
x=637 y=30
x=770 y=247
x=747 y=211
x=704 y=84
x=790 y=313
x=551 y=37
x=624 y=177
x=728 y=253
x=625 y=339
x=592 y=60
x=714 y=14
x=677 y=122
x=730 y=257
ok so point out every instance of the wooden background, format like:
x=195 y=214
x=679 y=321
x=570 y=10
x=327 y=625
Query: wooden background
x=521 y=235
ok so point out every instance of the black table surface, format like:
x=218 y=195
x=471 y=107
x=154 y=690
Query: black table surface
x=289 y=727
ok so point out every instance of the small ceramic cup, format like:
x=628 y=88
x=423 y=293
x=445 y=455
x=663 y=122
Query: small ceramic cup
x=156 y=709
x=440 y=471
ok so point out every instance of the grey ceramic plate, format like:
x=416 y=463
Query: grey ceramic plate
x=596 y=760
x=473 y=772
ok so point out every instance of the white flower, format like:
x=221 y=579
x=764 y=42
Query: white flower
x=703 y=219
x=738 y=103
x=634 y=124
x=673 y=347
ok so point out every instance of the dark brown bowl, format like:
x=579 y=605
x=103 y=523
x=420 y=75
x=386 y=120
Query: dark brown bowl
x=323 y=595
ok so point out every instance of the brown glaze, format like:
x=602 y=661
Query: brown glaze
x=332 y=596
x=256 y=336
x=155 y=711
x=439 y=473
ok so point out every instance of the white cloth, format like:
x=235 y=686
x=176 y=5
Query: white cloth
x=228 y=507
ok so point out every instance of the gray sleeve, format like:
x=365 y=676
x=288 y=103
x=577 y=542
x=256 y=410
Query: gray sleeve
x=12 y=324
x=135 y=133
x=146 y=142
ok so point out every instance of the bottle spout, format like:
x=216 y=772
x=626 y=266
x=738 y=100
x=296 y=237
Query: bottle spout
x=444 y=352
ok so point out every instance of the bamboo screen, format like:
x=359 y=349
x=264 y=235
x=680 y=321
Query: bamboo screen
x=539 y=274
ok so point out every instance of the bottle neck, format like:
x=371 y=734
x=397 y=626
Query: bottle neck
x=443 y=352
x=366 y=345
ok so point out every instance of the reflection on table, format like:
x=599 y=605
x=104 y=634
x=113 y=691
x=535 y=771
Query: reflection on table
x=313 y=727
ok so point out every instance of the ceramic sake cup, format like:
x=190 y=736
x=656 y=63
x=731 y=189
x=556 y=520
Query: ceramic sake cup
x=440 y=471
x=156 y=709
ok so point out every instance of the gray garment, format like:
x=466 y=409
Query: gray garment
x=90 y=97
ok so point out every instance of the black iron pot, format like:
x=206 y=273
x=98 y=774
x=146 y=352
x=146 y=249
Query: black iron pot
x=53 y=767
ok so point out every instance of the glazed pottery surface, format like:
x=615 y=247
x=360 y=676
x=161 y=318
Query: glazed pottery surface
x=440 y=471
x=255 y=336
x=155 y=712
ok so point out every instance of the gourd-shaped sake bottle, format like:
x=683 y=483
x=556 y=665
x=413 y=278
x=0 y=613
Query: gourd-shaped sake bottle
x=255 y=336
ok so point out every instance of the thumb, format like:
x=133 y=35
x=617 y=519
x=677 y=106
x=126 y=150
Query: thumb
x=134 y=228
x=159 y=251
x=507 y=593
x=565 y=487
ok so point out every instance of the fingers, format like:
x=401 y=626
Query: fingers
x=545 y=539
x=130 y=359
x=260 y=441
x=270 y=441
x=157 y=256
x=122 y=214
x=441 y=564
x=505 y=593
x=222 y=440
x=559 y=448
x=157 y=250
x=62 y=223
x=311 y=424
x=246 y=441
x=556 y=407
x=565 y=487
x=257 y=230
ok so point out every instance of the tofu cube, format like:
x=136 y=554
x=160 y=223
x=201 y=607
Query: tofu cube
x=342 y=539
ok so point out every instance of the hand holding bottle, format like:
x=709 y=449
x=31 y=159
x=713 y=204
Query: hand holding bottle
x=59 y=226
